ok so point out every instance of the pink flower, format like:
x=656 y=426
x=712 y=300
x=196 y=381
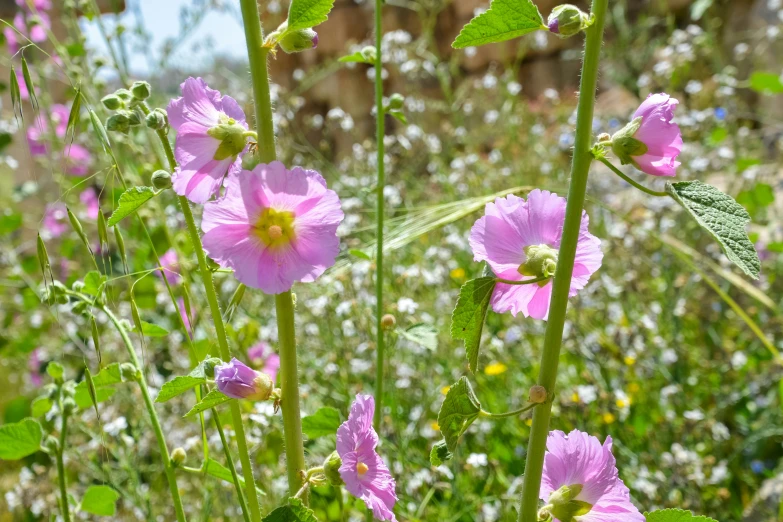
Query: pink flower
x=520 y=240
x=170 y=264
x=365 y=474
x=78 y=158
x=273 y=227
x=238 y=381
x=651 y=142
x=581 y=480
x=210 y=135
x=183 y=313
x=34 y=366
x=262 y=356
x=55 y=221
x=92 y=204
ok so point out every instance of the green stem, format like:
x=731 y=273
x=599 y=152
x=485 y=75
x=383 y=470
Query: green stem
x=61 y=478
x=379 y=214
x=231 y=467
x=630 y=181
x=580 y=167
x=513 y=413
x=145 y=393
x=289 y=378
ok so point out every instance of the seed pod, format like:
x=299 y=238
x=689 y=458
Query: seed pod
x=96 y=340
x=91 y=390
x=103 y=232
x=121 y=247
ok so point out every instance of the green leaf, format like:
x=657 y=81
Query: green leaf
x=440 y=453
x=212 y=399
x=760 y=196
x=467 y=320
x=177 y=386
x=93 y=282
x=20 y=439
x=700 y=7
x=360 y=254
x=505 y=19
x=73 y=116
x=675 y=515
x=323 y=422
x=16 y=96
x=130 y=201
x=153 y=330
x=366 y=55
x=399 y=116
x=28 y=82
x=103 y=383
x=722 y=217
x=766 y=83
x=422 y=334
x=295 y=511
x=459 y=410
x=55 y=370
x=41 y=406
x=304 y=14
x=218 y=470
x=100 y=500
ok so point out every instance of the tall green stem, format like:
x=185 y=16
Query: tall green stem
x=550 y=357
x=289 y=378
x=379 y=212
x=66 y=511
x=145 y=393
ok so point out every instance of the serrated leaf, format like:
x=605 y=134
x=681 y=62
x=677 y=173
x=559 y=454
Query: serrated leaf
x=766 y=82
x=722 y=217
x=305 y=14
x=295 y=511
x=100 y=500
x=422 y=334
x=153 y=330
x=505 y=19
x=177 y=386
x=93 y=282
x=440 y=453
x=675 y=515
x=218 y=470
x=458 y=411
x=467 y=320
x=130 y=201
x=323 y=422
x=20 y=439
x=41 y=406
x=103 y=383
x=212 y=399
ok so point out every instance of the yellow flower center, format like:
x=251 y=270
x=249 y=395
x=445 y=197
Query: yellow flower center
x=362 y=468
x=275 y=228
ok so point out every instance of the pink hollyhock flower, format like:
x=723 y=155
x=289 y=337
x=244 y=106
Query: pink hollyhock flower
x=365 y=474
x=262 y=356
x=520 y=240
x=581 y=482
x=210 y=135
x=183 y=313
x=55 y=221
x=78 y=158
x=34 y=366
x=651 y=142
x=273 y=227
x=170 y=263
x=92 y=204
x=238 y=381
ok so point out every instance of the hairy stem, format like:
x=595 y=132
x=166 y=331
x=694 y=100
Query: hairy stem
x=379 y=214
x=580 y=167
x=630 y=181
x=284 y=304
x=66 y=511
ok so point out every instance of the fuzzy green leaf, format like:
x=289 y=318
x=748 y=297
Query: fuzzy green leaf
x=675 y=515
x=103 y=383
x=440 y=453
x=467 y=320
x=100 y=500
x=505 y=19
x=422 y=334
x=212 y=399
x=766 y=83
x=130 y=201
x=20 y=439
x=722 y=217
x=459 y=410
x=177 y=386
x=295 y=511
x=323 y=422
x=41 y=406
x=93 y=282
x=153 y=330
x=305 y=14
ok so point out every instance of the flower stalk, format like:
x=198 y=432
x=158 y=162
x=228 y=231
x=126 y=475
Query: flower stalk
x=61 y=479
x=284 y=303
x=580 y=167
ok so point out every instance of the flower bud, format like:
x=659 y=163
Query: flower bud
x=118 y=123
x=388 y=321
x=332 y=469
x=299 y=41
x=537 y=394
x=232 y=137
x=129 y=372
x=112 y=102
x=567 y=20
x=178 y=456
x=124 y=94
x=69 y=405
x=140 y=90
x=396 y=101
x=239 y=381
x=562 y=504
x=161 y=180
x=51 y=444
x=157 y=119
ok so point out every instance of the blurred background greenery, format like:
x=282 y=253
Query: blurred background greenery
x=669 y=349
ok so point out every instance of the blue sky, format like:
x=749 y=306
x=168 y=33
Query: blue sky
x=222 y=30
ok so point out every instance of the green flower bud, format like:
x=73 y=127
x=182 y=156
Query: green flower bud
x=51 y=444
x=141 y=90
x=567 y=20
x=299 y=41
x=541 y=261
x=157 y=119
x=129 y=372
x=112 y=102
x=124 y=94
x=232 y=136
x=396 y=101
x=624 y=145
x=537 y=394
x=78 y=286
x=118 y=123
x=161 y=180
x=388 y=321
x=69 y=406
x=332 y=469
x=178 y=456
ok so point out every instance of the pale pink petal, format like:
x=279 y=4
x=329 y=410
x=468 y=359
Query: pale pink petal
x=538 y=307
